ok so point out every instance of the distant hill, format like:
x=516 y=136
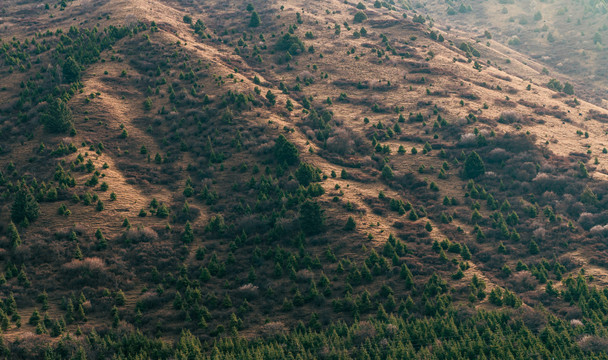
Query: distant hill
x=567 y=39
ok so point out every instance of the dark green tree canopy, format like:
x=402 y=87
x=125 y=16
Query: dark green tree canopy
x=555 y=84
x=285 y=151
x=312 y=220
x=13 y=235
x=474 y=166
x=387 y=173
x=57 y=118
x=306 y=174
x=350 y=224
x=25 y=207
x=290 y=43
x=272 y=98
x=255 y=19
x=360 y=17
x=71 y=70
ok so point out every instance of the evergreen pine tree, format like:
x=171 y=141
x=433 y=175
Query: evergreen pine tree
x=13 y=236
x=71 y=70
x=188 y=235
x=285 y=151
x=473 y=166
x=350 y=224
x=311 y=218
x=25 y=208
x=58 y=117
x=255 y=19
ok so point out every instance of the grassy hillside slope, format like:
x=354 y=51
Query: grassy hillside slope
x=187 y=179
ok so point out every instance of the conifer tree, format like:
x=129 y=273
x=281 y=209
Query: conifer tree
x=13 y=236
x=311 y=218
x=254 y=21
x=71 y=70
x=350 y=224
x=57 y=118
x=188 y=235
x=25 y=208
x=474 y=166
x=285 y=151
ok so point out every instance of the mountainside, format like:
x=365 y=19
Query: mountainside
x=564 y=38
x=321 y=179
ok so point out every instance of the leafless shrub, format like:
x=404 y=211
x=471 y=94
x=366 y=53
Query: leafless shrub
x=569 y=262
x=306 y=74
x=304 y=275
x=505 y=103
x=547 y=168
x=460 y=122
x=497 y=155
x=391 y=329
x=527 y=103
x=398 y=224
x=469 y=96
x=264 y=147
x=517 y=143
x=145 y=234
x=596 y=115
x=586 y=220
x=346 y=142
x=522 y=281
x=509 y=117
x=525 y=172
x=340 y=142
x=552 y=112
x=90 y=271
x=539 y=233
x=378 y=210
x=28 y=346
x=601 y=230
x=365 y=330
x=256 y=140
x=549 y=196
x=468 y=139
x=159 y=254
x=251 y=224
x=502 y=77
x=151 y=300
x=273 y=329
x=590 y=343
x=310 y=134
x=287 y=224
x=291 y=185
x=248 y=291
x=544 y=182
x=93 y=264
x=533 y=319
x=63 y=232
x=173 y=115
x=576 y=323
x=87 y=306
